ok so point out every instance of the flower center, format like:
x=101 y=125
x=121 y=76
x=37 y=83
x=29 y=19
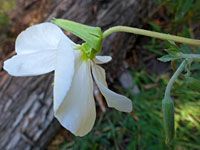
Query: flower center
x=88 y=52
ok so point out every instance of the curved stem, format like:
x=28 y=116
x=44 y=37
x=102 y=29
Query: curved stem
x=173 y=78
x=150 y=34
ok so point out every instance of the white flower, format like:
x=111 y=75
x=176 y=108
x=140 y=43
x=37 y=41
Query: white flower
x=43 y=48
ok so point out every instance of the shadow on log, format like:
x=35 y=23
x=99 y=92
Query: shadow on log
x=26 y=114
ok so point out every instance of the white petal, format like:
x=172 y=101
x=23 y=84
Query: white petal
x=31 y=64
x=102 y=59
x=64 y=71
x=77 y=112
x=39 y=37
x=113 y=99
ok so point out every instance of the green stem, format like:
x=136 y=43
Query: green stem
x=174 y=77
x=151 y=34
x=194 y=57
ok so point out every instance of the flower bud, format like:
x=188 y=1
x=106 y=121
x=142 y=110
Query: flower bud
x=168 y=116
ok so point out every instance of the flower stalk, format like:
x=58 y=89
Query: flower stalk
x=153 y=34
x=174 y=77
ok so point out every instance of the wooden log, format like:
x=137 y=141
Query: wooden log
x=26 y=114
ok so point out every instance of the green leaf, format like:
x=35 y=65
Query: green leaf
x=166 y=58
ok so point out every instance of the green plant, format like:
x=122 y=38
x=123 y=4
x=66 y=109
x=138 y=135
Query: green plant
x=5 y=7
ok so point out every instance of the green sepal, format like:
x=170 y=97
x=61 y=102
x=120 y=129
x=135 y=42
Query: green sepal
x=87 y=50
x=166 y=58
x=174 y=52
x=168 y=116
x=91 y=35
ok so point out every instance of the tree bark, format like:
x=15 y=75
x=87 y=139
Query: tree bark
x=26 y=114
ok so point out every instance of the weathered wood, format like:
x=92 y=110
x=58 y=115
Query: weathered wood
x=26 y=115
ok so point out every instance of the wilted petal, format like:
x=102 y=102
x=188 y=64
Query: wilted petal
x=39 y=37
x=31 y=64
x=64 y=71
x=77 y=112
x=113 y=99
x=102 y=59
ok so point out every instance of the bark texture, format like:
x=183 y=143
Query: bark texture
x=26 y=114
